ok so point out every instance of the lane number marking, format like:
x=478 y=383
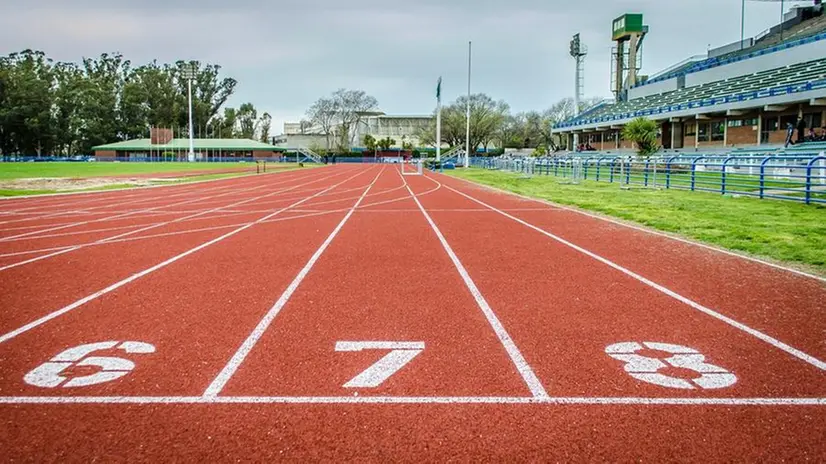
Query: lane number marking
x=400 y=354
x=48 y=374
x=647 y=369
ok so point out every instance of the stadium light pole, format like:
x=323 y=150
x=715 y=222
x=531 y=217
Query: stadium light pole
x=467 y=124
x=189 y=74
x=439 y=121
x=742 y=24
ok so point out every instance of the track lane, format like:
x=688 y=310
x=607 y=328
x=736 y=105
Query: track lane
x=510 y=433
x=782 y=304
x=145 y=208
x=549 y=295
x=194 y=311
x=405 y=290
x=34 y=290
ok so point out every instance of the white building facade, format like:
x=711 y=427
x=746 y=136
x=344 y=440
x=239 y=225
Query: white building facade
x=402 y=129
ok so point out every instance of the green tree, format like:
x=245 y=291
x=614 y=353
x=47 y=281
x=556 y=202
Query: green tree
x=643 y=132
x=27 y=94
x=247 y=121
x=264 y=126
x=209 y=92
x=369 y=142
x=486 y=119
x=386 y=143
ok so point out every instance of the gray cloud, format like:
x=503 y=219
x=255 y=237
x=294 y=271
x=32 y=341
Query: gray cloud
x=286 y=53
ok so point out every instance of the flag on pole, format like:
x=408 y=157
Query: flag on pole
x=439 y=90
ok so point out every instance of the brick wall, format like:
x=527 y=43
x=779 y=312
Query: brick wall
x=740 y=136
x=105 y=155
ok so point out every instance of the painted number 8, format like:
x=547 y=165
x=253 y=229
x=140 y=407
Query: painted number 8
x=647 y=369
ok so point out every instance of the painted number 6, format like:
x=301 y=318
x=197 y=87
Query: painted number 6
x=647 y=369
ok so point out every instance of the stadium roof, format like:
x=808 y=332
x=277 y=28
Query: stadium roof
x=183 y=144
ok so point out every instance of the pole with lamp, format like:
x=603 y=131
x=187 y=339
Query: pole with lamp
x=189 y=75
x=439 y=123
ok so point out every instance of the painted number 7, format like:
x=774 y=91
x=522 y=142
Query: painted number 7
x=400 y=354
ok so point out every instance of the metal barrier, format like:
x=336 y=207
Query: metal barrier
x=790 y=176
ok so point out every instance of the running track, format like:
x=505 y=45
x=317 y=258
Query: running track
x=497 y=328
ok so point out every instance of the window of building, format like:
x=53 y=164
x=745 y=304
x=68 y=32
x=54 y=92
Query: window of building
x=742 y=122
x=690 y=129
x=610 y=136
x=718 y=131
x=812 y=119
x=702 y=132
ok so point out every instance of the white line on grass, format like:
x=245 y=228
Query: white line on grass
x=227 y=372
x=534 y=385
x=14 y=333
x=547 y=400
x=738 y=325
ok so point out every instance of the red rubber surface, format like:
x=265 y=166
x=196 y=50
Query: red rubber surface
x=386 y=276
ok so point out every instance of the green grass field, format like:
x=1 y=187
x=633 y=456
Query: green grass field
x=29 y=170
x=784 y=231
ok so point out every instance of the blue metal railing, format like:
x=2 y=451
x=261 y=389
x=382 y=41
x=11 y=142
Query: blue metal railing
x=795 y=176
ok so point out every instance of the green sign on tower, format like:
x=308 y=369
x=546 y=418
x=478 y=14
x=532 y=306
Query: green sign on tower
x=626 y=25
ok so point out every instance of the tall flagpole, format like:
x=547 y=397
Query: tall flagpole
x=467 y=129
x=439 y=121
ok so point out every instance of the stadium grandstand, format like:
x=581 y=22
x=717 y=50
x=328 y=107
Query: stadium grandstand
x=740 y=95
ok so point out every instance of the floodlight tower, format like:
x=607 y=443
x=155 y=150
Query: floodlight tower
x=189 y=74
x=578 y=52
x=629 y=33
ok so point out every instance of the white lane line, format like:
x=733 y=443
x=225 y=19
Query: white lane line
x=130 y=201
x=137 y=193
x=113 y=238
x=295 y=194
x=140 y=213
x=14 y=333
x=738 y=325
x=553 y=205
x=548 y=400
x=188 y=231
x=234 y=363
x=525 y=370
x=122 y=215
x=193 y=192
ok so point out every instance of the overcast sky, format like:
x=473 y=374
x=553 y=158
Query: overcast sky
x=287 y=53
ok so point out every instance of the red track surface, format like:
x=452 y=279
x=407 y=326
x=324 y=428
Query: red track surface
x=246 y=287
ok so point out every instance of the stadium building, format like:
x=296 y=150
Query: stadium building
x=400 y=128
x=162 y=146
x=743 y=94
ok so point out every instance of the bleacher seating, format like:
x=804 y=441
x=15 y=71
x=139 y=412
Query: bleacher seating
x=779 y=81
x=813 y=30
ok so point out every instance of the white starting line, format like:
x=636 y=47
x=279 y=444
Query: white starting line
x=548 y=400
